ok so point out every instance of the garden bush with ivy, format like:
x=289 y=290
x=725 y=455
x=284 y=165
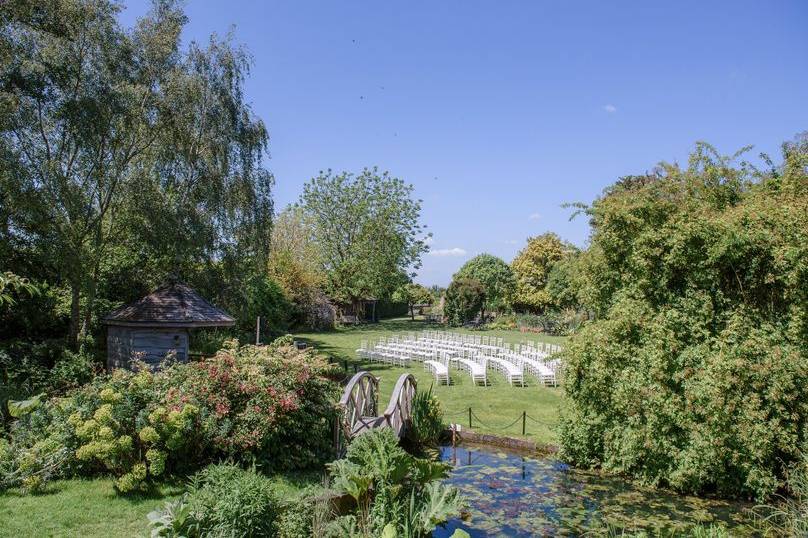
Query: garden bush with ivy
x=268 y=405
x=693 y=373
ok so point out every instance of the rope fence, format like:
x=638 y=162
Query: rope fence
x=475 y=420
x=350 y=367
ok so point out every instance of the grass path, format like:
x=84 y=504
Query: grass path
x=495 y=407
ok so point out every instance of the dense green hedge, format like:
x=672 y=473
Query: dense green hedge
x=694 y=373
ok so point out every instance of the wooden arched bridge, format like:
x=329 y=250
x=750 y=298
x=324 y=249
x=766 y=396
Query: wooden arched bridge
x=358 y=408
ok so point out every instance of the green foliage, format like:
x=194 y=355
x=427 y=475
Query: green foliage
x=281 y=341
x=532 y=268
x=20 y=408
x=270 y=405
x=366 y=229
x=226 y=500
x=693 y=373
x=265 y=298
x=222 y=500
x=412 y=294
x=427 y=419
x=295 y=263
x=28 y=369
x=496 y=277
x=465 y=298
x=789 y=516
x=209 y=340
x=11 y=284
x=144 y=161
x=174 y=520
x=561 y=286
x=296 y=517
x=393 y=490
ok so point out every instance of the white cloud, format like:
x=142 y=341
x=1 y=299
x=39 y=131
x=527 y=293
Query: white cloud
x=448 y=252
x=611 y=109
x=534 y=216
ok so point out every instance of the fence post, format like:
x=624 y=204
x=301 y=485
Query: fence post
x=524 y=417
x=469 y=417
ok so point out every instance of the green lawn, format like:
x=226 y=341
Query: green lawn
x=90 y=508
x=497 y=406
x=79 y=508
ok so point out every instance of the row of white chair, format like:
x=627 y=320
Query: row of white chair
x=436 y=348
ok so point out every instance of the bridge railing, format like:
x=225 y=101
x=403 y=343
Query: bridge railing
x=399 y=411
x=359 y=400
x=358 y=408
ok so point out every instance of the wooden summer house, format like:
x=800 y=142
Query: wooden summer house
x=157 y=326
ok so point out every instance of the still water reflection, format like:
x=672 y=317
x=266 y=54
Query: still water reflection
x=512 y=495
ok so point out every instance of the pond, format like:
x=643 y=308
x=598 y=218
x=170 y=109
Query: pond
x=512 y=495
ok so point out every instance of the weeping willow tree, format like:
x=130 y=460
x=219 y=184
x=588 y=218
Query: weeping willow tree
x=122 y=149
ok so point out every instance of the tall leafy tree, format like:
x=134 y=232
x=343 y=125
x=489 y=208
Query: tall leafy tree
x=118 y=141
x=367 y=229
x=496 y=277
x=413 y=294
x=531 y=268
x=295 y=263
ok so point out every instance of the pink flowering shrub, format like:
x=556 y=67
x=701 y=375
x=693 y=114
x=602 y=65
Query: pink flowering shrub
x=269 y=405
x=274 y=405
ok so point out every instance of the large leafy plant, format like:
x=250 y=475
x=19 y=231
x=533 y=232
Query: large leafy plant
x=395 y=493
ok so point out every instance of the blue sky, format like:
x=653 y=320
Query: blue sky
x=499 y=112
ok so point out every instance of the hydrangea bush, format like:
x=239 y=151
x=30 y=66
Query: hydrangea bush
x=269 y=405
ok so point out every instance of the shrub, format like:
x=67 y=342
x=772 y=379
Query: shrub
x=208 y=341
x=222 y=500
x=226 y=500
x=271 y=406
x=427 y=419
x=285 y=340
x=30 y=368
x=296 y=518
x=464 y=300
x=693 y=373
x=505 y=322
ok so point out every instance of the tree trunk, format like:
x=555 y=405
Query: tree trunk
x=412 y=312
x=88 y=311
x=75 y=314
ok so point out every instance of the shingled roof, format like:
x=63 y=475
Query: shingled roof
x=173 y=305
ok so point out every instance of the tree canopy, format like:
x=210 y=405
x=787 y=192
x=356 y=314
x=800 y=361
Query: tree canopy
x=125 y=157
x=367 y=230
x=464 y=299
x=412 y=294
x=693 y=373
x=496 y=277
x=532 y=267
